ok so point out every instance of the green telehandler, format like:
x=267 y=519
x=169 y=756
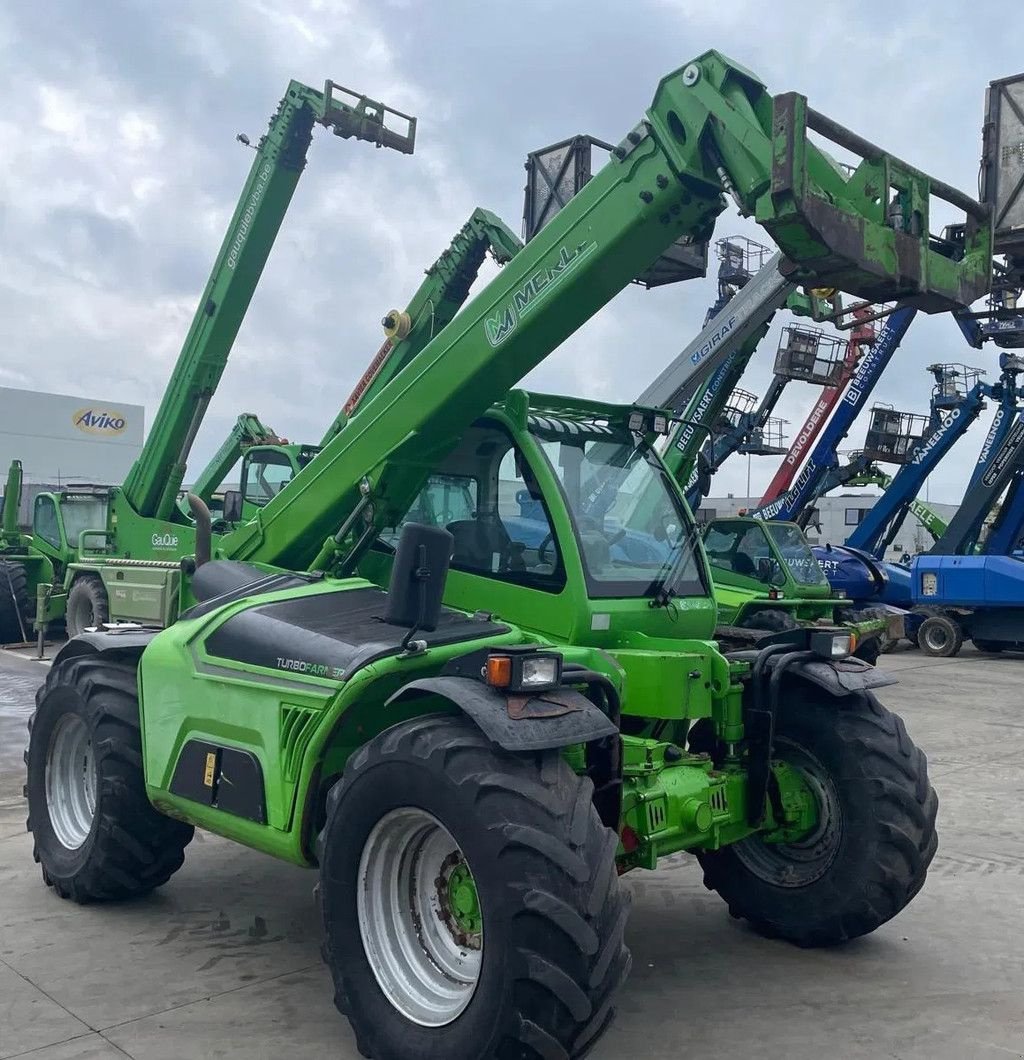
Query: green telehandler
x=471 y=778
x=124 y=564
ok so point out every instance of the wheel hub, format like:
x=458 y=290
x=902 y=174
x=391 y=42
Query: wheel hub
x=71 y=782
x=420 y=917
x=798 y=857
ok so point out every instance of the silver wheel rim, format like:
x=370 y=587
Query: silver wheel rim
x=936 y=638
x=426 y=966
x=71 y=782
x=799 y=864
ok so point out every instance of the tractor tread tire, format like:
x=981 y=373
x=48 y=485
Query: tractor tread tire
x=559 y=907
x=773 y=619
x=15 y=604
x=87 y=604
x=889 y=837
x=132 y=849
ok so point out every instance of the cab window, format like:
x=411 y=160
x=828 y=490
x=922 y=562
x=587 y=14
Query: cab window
x=742 y=548
x=265 y=475
x=485 y=495
x=44 y=521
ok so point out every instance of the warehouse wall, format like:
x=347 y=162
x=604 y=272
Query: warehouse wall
x=62 y=438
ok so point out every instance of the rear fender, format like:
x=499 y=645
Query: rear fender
x=511 y=722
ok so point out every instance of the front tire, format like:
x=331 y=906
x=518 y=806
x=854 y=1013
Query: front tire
x=940 y=637
x=875 y=838
x=95 y=833
x=532 y=958
x=87 y=604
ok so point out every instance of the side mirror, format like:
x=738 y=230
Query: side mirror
x=704 y=473
x=418 y=574
x=232 y=512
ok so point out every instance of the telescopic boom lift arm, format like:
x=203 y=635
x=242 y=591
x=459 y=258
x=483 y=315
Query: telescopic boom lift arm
x=930 y=519
x=151 y=486
x=862 y=335
x=711 y=127
x=439 y=297
x=247 y=431
x=880 y=525
x=819 y=471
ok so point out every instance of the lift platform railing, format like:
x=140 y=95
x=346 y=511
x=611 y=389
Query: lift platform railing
x=810 y=355
x=892 y=435
x=952 y=383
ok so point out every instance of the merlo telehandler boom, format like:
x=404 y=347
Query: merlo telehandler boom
x=711 y=128
x=151 y=486
x=248 y=431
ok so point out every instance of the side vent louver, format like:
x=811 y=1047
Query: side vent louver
x=297 y=725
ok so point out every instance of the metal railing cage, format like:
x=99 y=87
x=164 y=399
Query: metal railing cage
x=893 y=435
x=810 y=355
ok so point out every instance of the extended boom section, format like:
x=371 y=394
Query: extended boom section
x=152 y=485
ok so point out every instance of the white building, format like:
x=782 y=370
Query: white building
x=838 y=516
x=62 y=439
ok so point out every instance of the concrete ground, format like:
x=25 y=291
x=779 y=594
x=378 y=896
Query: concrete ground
x=223 y=961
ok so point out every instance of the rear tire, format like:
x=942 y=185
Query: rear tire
x=940 y=637
x=15 y=605
x=95 y=833
x=871 y=851
x=87 y=604
x=549 y=955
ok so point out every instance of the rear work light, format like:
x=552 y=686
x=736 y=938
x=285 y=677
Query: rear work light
x=523 y=671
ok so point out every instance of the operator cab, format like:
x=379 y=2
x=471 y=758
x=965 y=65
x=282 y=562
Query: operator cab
x=72 y=520
x=763 y=553
x=266 y=470
x=566 y=498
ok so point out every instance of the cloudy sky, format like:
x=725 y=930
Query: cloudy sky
x=121 y=172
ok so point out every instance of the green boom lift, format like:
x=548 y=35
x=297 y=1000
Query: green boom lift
x=248 y=431
x=126 y=566
x=926 y=516
x=267 y=469
x=471 y=780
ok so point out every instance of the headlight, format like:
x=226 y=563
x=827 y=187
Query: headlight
x=829 y=645
x=524 y=671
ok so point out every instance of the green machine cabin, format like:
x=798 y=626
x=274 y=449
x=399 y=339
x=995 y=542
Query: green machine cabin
x=469 y=780
x=766 y=577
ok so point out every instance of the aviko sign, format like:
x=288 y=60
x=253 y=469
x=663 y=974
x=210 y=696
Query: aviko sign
x=99 y=421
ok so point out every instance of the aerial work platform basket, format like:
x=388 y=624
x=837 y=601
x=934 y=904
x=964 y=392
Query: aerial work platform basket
x=893 y=435
x=763 y=439
x=952 y=383
x=810 y=355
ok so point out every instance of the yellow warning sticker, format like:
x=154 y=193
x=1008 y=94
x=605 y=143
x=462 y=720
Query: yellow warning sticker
x=211 y=765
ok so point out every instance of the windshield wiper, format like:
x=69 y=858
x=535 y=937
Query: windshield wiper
x=667 y=589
